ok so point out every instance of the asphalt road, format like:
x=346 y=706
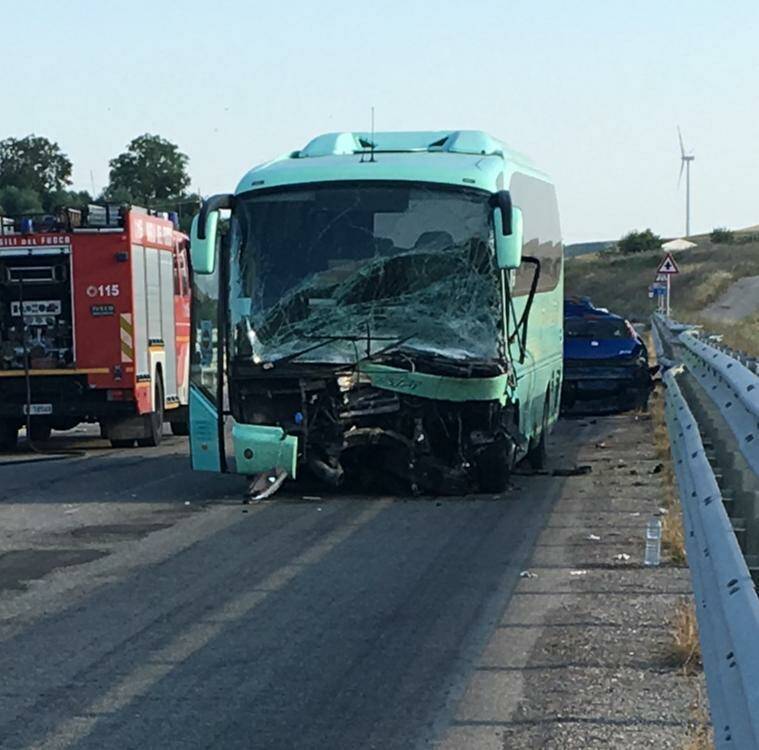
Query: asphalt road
x=143 y=606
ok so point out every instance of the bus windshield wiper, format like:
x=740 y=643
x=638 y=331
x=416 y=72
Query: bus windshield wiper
x=328 y=339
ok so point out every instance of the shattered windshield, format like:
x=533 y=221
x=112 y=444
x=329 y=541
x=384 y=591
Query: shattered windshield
x=334 y=272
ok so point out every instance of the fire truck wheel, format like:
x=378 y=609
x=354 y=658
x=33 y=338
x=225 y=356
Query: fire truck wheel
x=8 y=436
x=180 y=428
x=156 y=419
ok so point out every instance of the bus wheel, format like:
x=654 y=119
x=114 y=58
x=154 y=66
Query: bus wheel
x=8 y=436
x=537 y=455
x=493 y=465
x=156 y=419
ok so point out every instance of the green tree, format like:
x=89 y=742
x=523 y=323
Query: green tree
x=722 y=236
x=15 y=201
x=639 y=242
x=33 y=163
x=152 y=170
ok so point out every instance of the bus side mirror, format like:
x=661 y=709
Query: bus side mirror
x=203 y=233
x=509 y=231
x=203 y=251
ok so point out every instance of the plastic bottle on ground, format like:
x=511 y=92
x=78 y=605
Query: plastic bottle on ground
x=653 y=542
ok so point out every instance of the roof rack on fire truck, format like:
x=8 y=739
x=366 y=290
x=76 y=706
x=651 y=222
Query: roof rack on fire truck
x=95 y=217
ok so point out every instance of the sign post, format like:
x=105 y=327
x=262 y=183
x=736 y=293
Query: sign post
x=667 y=268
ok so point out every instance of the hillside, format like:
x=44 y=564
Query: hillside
x=620 y=282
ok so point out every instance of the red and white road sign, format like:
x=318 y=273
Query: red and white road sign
x=668 y=265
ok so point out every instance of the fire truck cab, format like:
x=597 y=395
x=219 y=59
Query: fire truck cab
x=94 y=324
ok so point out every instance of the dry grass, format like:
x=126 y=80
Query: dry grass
x=673 y=535
x=707 y=287
x=701 y=736
x=743 y=335
x=620 y=282
x=686 y=652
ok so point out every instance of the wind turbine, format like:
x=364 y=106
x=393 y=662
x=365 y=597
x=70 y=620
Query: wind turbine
x=685 y=160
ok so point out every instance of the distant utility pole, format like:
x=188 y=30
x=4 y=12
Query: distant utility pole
x=685 y=160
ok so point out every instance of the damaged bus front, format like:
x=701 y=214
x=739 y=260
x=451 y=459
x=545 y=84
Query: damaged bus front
x=380 y=310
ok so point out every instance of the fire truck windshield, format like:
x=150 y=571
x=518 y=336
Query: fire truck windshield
x=404 y=260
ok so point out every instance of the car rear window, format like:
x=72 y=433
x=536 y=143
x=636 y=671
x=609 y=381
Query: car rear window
x=588 y=328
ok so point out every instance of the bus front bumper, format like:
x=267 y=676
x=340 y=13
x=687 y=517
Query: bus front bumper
x=263 y=448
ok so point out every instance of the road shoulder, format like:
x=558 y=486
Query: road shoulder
x=580 y=658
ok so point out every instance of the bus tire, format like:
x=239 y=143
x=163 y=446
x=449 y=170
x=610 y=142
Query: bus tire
x=537 y=455
x=155 y=418
x=493 y=465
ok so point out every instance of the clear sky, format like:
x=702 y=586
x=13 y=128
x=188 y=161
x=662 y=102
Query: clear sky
x=592 y=90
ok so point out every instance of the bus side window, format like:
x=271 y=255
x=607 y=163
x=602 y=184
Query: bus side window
x=542 y=234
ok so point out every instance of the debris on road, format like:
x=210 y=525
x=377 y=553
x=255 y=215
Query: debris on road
x=597 y=635
x=575 y=471
x=264 y=485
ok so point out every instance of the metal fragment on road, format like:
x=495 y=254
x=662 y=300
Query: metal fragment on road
x=575 y=471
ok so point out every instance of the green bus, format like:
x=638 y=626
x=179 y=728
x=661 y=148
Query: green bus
x=378 y=306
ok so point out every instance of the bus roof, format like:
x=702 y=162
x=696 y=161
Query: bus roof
x=458 y=157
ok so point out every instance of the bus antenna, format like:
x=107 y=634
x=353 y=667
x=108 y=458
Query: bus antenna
x=371 y=141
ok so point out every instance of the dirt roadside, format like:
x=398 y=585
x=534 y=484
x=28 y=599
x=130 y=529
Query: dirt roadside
x=582 y=656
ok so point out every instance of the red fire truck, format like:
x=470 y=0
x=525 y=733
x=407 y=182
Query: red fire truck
x=94 y=324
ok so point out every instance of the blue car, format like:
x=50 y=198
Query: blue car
x=605 y=361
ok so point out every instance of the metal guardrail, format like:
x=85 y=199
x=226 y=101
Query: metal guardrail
x=727 y=606
x=733 y=388
x=674 y=328
x=659 y=323
x=730 y=383
x=750 y=362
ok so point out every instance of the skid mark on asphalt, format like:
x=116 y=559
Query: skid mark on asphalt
x=163 y=661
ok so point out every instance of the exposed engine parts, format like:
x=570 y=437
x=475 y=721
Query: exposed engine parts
x=351 y=431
